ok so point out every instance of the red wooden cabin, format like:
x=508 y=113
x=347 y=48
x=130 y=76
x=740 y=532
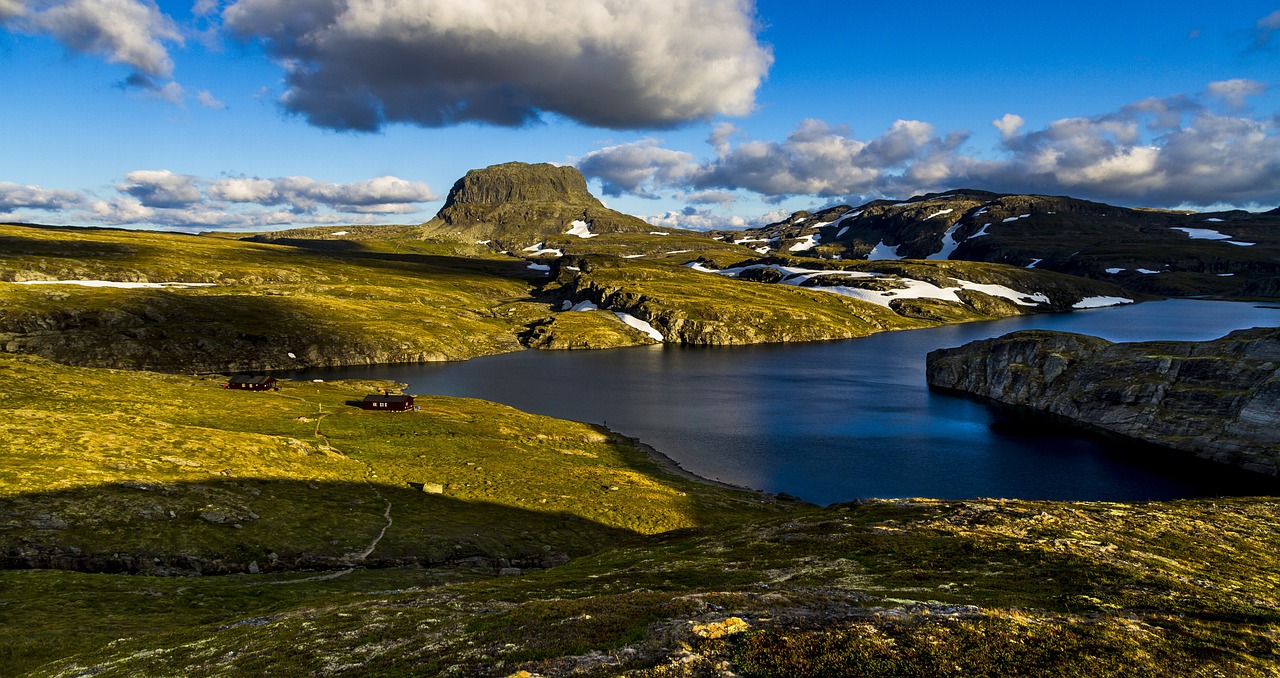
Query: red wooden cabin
x=388 y=403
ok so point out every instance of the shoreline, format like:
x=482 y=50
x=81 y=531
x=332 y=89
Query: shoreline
x=674 y=468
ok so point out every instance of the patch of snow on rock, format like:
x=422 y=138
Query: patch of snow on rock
x=1100 y=302
x=533 y=248
x=698 y=266
x=1214 y=220
x=639 y=325
x=587 y=305
x=1114 y=271
x=949 y=244
x=539 y=267
x=679 y=252
x=940 y=213
x=338 y=233
x=981 y=232
x=1241 y=244
x=1202 y=233
x=580 y=228
x=805 y=243
x=658 y=233
x=483 y=242
x=842 y=232
x=1033 y=263
x=1147 y=271
x=882 y=252
x=632 y=256
x=1225 y=275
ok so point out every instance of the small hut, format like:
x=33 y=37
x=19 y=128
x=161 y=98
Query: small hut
x=388 y=403
x=248 y=382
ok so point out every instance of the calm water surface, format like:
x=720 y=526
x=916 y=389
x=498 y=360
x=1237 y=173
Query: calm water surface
x=845 y=420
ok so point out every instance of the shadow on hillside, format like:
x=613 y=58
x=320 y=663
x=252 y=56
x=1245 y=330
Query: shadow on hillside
x=248 y=524
x=175 y=331
x=70 y=248
x=421 y=263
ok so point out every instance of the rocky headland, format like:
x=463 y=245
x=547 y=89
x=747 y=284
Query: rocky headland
x=1216 y=399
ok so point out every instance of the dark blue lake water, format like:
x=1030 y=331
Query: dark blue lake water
x=844 y=420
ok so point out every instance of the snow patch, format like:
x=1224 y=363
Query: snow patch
x=1214 y=220
x=1241 y=244
x=632 y=256
x=338 y=233
x=1020 y=216
x=698 y=266
x=940 y=213
x=882 y=252
x=1147 y=271
x=639 y=325
x=587 y=305
x=533 y=248
x=1225 y=275
x=658 y=233
x=805 y=243
x=1202 y=233
x=539 y=267
x=981 y=232
x=112 y=283
x=1033 y=263
x=483 y=242
x=678 y=252
x=1100 y=302
x=949 y=244
x=842 y=232
x=580 y=228
x=1114 y=271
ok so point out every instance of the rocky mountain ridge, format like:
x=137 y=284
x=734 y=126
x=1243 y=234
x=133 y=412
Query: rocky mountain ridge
x=1217 y=399
x=1165 y=252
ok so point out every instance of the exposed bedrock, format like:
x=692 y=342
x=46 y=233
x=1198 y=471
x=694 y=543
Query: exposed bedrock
x=1219 y=399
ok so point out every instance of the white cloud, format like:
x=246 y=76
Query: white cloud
x=185 y=201
x=1235 y=93
x=1266 y=27
x=385 y=194
x=360 y=64
x=628 y=167
x=209 y=101
x=1009 y=125
x=130 y=32
x=17 y=196
x=1178 y=150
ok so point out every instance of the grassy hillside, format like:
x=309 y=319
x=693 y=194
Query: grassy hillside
x=879 y=588
x=372 y=295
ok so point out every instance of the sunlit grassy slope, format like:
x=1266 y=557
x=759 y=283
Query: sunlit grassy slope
x=369 y=295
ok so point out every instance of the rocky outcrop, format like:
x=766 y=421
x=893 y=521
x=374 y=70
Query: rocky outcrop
x=514 y=204
x=1215 y=399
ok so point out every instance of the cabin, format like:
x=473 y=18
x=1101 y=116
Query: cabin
x=248 y=382
x=388 y=403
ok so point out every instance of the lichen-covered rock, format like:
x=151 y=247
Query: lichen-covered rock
x=1215 y=399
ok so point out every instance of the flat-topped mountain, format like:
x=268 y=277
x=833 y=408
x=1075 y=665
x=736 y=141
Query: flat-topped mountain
x=1157 y=251
x=515 y=203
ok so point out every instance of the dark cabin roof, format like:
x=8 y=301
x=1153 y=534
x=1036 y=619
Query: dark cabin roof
x=250 y=379
x=388 y=398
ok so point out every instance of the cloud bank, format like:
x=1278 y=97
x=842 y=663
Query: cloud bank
x=1198 y=149
x=360 y=64
x=165 y=198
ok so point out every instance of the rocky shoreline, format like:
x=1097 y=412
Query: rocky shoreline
x=1216 y=400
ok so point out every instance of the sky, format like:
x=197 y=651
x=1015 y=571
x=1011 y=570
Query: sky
x=265 y=114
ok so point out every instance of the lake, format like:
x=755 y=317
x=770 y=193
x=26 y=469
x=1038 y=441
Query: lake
x=838 y=421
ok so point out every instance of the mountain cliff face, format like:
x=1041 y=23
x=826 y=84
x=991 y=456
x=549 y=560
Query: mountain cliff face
x=1157 y=251
x=1215 y=399
x=514 y=204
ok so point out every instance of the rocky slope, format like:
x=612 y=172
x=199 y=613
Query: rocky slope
x=514 y=205
x=1215 y=399
x=1156 y=251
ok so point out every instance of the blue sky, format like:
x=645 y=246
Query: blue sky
x=254 y=114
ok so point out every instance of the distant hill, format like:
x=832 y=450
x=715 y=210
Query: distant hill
x=515 y=204
x=1157 y=251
